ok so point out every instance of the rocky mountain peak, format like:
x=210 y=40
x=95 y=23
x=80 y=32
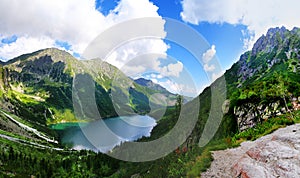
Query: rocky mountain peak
x=278 y=45
x=55 y=54
x=273 y=31
x=269 y=41
x=273 y=62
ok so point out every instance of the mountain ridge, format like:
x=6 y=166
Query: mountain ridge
x=44 y=79
x=263 y=94
x=150 y=84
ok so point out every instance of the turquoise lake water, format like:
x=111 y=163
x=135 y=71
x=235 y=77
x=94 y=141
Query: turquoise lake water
x=103 y=135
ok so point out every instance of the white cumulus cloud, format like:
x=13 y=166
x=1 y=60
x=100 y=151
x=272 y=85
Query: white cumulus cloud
x=172 y=69
x=209 y=54
x=257 y=15
x=38 y=24
x=207 y=57
x=24 y=45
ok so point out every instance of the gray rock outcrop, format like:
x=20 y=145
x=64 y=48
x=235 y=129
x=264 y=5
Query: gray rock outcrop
x=274 y=155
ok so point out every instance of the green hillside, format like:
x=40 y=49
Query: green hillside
x=38 y=87
x=262 y=94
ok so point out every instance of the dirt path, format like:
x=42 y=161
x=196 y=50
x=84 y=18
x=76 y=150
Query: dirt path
x=25 y=142
x=36 y=132
x=274 y=155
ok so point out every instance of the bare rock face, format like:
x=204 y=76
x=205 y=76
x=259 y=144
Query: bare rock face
x=274 y=155
x=278 y=157
x=250 y=114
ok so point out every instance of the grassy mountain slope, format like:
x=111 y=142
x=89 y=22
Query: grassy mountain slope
x=263 y=87
x=38 y=86
x=264 y=83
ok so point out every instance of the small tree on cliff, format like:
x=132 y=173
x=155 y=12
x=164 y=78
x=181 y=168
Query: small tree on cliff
x=281 y=89
x=178 y=106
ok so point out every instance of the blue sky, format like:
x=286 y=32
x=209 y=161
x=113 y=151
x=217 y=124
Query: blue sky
x=229 y=27
x=227 y=38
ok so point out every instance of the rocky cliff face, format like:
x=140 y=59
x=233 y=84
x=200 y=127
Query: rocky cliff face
x=249 y=114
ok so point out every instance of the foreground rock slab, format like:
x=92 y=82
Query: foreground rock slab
x=274 y=155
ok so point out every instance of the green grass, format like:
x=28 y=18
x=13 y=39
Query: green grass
x=13 y=135
x=62 y=116
x=24 y=98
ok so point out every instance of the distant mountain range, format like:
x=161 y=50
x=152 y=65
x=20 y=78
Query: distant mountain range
x=38 y=86
x=151 y=85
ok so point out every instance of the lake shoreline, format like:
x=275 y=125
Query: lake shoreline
x=105 y=118
x=106 y=134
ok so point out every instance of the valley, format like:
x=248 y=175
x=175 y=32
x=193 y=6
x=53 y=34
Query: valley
x=38 y=104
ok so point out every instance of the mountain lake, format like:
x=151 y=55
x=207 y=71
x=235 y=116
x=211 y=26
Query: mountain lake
x=104 y=134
